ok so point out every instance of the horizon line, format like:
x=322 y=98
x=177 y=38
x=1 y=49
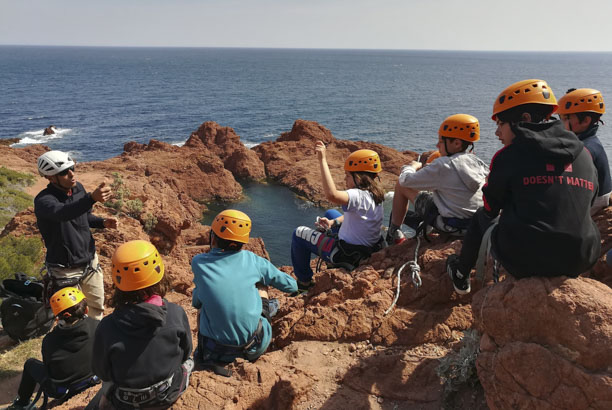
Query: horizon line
x=304 y=48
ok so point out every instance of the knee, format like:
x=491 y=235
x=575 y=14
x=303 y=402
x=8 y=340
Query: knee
x=332 y=214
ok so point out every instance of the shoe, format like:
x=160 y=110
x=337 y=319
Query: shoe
x=461 y=282
x=396 y=238
x=273 y=306
x=303 y=287
x=15 y=406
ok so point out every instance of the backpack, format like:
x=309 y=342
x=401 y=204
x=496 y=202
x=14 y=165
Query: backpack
x=23 y=312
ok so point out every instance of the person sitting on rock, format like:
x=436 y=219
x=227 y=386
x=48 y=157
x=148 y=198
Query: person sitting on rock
x=142 y=350
x=66 y=351
x=358 y=235
x=581 y=111
x=447 y=192
x=233 y=319
x=543 y=183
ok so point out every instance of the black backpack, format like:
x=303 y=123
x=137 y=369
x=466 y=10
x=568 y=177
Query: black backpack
x=23 y=310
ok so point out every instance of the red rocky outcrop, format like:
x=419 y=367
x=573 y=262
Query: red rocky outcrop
x=224 y=143
x=291 y=160
x=546 y=343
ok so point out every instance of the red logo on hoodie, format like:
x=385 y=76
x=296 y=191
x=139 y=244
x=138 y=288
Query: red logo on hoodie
x=550 y=168
x=568 y=168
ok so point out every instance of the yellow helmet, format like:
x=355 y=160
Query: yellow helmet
x=64 y=299
x=136 y=265
x=524 y=92
x=363 y=160
x=432 y=156
x=462 y=126
x=582 y=100
x=232 y=225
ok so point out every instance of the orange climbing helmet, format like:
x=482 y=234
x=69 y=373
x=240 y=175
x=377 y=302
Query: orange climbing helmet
x=363 y=160
x=432 y=156
x=65 y=299
x=524 y=92
x=136 y=265
x=462 y=126
x=232 y=225
x=582 y=100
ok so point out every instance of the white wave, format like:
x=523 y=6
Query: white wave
x=250 y=144
x=37 y=137
x=178 y=143
x=268 y=136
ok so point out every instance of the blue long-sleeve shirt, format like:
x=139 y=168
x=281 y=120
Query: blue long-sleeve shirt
x=226 y=294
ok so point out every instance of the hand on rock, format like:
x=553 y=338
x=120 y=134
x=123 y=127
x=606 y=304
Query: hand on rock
x=111 y=223
x=102 y=193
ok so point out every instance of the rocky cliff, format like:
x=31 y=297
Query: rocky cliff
x=545 y=342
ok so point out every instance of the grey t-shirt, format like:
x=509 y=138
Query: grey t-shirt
x=456 y=183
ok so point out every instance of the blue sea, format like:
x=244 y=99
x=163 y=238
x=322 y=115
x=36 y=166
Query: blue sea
x=100 y=98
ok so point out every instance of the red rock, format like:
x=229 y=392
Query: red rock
x=291 y=161
x=546 y=343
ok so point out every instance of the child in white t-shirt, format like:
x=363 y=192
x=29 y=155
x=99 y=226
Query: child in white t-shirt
x=359 y=232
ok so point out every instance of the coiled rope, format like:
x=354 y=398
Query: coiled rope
x=415 y=269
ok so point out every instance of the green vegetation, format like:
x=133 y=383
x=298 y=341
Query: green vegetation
x=459 y=368
x=12 y=360
x=149 y=222
x=19 y=255
x=12 y=198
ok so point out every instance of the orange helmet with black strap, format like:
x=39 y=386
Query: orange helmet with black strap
x=582 y=100
x=136 y=265
x=461 y=126
x=524 y=92
x=65 y=298
x=232 y=225
x=363 y=160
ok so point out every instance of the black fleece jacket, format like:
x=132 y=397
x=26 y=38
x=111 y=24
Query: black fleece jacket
x=64 y=222
x=141 y=344
x=67 y=352
x=545 y=183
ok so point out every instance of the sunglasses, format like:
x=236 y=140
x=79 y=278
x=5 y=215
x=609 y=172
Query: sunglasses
x=65 y=172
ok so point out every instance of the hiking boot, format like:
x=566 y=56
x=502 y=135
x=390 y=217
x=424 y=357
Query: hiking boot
x=303 y=287
x=461 y=282
x=269 y=307
x=396 y=238
x=15 y=406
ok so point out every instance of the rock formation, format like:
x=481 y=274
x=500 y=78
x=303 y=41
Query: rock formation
x=50 y=130
x=291 y=160
x=545 y=342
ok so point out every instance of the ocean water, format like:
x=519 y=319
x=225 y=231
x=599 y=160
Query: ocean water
x=100 y=98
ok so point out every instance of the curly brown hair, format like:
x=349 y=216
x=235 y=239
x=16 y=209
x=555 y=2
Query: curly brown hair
x=121 y=297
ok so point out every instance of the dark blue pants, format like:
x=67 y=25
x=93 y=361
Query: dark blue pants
x=305 y=241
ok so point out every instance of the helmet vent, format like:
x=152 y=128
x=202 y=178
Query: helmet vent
x=601 y=105
x=517 y=92
x=145 y=263
x=502 y=99
x=375 y=166
x=546 y=94
x=118 y=278
x=136 y=269
x=240 y=226
x=125 y=268
x=527 y=90
x=568 y=104
x=158 y=269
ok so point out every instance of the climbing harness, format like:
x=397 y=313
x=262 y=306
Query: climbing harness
x=415 y=269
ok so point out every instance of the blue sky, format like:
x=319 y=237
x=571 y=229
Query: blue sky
x=384 y=24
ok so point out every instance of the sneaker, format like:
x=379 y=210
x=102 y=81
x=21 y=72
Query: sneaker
x=396 y=238
x=461 y=282
x=15 y=406
x=303 y=287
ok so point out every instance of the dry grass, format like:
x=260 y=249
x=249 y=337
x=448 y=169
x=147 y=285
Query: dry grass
x=13 y=358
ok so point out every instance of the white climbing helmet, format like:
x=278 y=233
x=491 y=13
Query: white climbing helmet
x=53 y=162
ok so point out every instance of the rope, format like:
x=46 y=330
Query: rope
x=414 y=269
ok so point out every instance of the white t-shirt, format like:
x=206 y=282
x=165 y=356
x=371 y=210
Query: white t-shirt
x=362 y=219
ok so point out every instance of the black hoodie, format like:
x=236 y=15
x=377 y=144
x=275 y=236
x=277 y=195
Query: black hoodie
x=545 y=183
x=141 y=344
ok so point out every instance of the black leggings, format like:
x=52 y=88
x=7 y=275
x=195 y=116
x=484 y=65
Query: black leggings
x=34 y=372
x=472 y=240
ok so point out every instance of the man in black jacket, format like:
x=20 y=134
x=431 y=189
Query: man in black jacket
x=64 y=218
x=543 y=182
